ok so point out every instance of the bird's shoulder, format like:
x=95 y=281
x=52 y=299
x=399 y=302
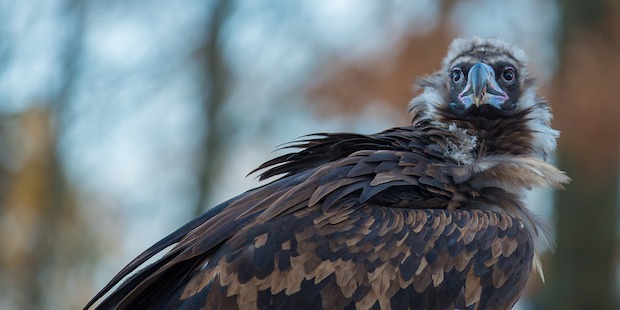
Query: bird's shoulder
x=336 y=185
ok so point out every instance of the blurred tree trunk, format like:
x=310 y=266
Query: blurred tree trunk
x=586 y=104
x=216 y=85
x=37 y=214
x=26 y=206
x=42 y=234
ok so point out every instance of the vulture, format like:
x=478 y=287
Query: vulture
x=426 y=216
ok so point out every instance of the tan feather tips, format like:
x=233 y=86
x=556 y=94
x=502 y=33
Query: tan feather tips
x=510 y=173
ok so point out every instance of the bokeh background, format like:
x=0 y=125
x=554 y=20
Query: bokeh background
x=120 y=120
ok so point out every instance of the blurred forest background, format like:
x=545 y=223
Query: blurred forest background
x=121 y=120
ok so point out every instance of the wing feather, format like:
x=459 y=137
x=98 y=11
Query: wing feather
x=355 y=220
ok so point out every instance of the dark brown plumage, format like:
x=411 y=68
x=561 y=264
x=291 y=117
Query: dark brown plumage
x=428 y=216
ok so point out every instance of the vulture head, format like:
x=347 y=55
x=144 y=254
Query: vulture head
x=484 y=87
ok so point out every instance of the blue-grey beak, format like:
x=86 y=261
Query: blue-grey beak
x=482 y=88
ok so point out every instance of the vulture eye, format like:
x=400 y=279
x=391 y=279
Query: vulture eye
x=457 y=75
x=508 y=74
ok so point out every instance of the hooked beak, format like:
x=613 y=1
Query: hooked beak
x=482 y=88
